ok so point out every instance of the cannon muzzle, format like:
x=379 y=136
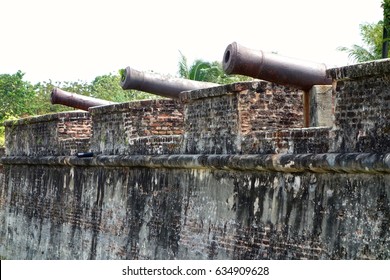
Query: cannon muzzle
x=74 y=100
x=159 y=85
x=273 y=68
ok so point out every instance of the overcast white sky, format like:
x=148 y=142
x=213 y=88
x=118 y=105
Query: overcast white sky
x=70 y=40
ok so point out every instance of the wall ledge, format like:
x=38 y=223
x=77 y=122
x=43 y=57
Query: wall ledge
x=71 y=115
x=229 y=89
x=357 y=71
x=369 y=163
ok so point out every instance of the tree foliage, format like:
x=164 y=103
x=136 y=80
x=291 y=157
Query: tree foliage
x=41 y=103
x=371 y=34
x=372 y=37
x=205 y=71
x=15 y=96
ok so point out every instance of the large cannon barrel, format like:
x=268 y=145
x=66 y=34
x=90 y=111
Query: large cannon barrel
x=275 y=68
x=159 y=85
x=74 y=100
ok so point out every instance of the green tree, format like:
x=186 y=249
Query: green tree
x=371 y=34
x=15 y=95
x=108 y=87
x=183 y=67
x=41 y=104
x=386 y=28
x=373 y=37
x=205 y=71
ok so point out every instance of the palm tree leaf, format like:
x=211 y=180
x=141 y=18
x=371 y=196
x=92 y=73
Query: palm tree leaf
x=197 y=72
x=183 y=67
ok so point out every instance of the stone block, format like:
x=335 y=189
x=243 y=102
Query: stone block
x=321 y=106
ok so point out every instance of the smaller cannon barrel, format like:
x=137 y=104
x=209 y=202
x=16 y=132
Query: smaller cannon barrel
x=159 y=85
x=273 y=68
x=74 y=100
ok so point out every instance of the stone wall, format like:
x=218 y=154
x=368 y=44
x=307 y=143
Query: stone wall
x=125 y=209
x=362 y=107
x=140 y=127
x=55 y=134
x=224 y=173
x=321 y=106
x=287 y=141
x=216 y=119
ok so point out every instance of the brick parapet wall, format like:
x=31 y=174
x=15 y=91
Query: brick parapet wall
x=377 y=68
x=362 y=107
x=138 y=127
x=54 y=134
x=217 y=119
x=268 y=106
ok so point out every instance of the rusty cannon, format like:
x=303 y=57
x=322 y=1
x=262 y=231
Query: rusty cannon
x=275 y=68
x=159 y=85
x=74 y=100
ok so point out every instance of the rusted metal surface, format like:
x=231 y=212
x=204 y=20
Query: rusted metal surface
x=159 y=85
x=77 y=101
x=271 y=67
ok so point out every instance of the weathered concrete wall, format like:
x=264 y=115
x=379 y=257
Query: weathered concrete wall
x=229 y=173
x=89 y=211
x=321 y=106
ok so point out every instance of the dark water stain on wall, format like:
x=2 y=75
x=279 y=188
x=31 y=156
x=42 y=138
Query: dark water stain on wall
x=144 y=213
